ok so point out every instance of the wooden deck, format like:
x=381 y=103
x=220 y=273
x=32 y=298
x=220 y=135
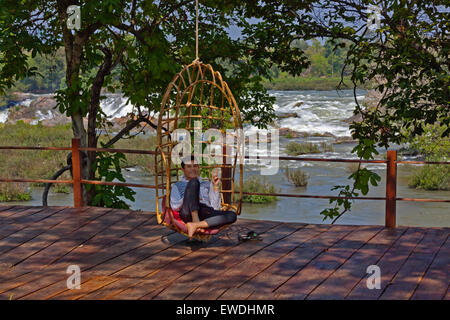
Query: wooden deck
x=126 y=255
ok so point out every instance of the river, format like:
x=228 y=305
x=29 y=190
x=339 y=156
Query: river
x=320 y=112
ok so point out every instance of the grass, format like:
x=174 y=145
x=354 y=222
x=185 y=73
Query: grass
x=30 y=164
x=256 y=184
x=297 y=177
x=143 y=161
x=43 y=164
x=290 y=135
x=295 y=148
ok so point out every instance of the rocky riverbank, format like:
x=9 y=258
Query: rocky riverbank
x=32 y=109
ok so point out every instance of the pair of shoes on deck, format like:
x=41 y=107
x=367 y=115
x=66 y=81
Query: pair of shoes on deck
x=251 y=235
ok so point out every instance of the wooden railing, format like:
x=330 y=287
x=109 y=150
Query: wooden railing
x=391 y=177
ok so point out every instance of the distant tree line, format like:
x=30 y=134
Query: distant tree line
x=324 y=61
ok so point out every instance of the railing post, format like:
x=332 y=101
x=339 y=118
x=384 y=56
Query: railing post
x=76 y=173
x=226 y=175
x=391 y=189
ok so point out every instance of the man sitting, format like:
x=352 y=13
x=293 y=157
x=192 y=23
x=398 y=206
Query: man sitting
x=197 y=200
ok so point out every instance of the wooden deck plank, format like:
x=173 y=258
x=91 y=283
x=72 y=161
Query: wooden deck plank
x=110 y=290
x=120 y=231
x=294 y=262
x=29 y=215
x=32 y=230
x=10 y=284
x=113 y=266
x=436 y=280
x=56 y=285
x=261 y=261
x=180 y=260
x=171 y=266
x=93 y=284
x=11 y=225
x=244 y=251
x=3 y=209
x=108 y=236
x=213 y=251
x=11 y=210
x=404 y=283
x=40 y=242
x=389 y=264
x=33 y=245
x=33 y=214
x=320 y=268
x=125 y=254
x=66 y=237
x=87 y=264
x=342 y=281
x=120 y=247
x=138 y=264
x=39 y=245
x=251 y=266
x=262 y=285
x=96 y=234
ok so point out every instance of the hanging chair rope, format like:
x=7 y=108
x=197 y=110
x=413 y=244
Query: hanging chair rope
x=196 y=30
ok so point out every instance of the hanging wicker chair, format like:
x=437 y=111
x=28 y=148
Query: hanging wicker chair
x=198 y=93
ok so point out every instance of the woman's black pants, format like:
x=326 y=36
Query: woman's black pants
x=191 y=202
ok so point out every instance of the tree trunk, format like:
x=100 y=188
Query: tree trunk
x=96 y=88
x=73 y=46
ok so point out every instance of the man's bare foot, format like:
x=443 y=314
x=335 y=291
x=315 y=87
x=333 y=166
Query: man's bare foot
x=191 y=226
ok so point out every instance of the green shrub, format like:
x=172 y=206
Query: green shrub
x=432 y=143
x=326 y=147
x=297 y=177
x=294 y=148
x=254 y=184
x=352 y=167
x=61 y=188
x=435 y=146
x=14 y=191
x=432 y=177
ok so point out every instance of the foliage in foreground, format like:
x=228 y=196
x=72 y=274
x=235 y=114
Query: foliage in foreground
x=406 y=55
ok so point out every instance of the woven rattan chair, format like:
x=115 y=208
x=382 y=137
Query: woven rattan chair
x=198 y=97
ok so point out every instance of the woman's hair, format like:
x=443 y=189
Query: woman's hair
x=188 y=159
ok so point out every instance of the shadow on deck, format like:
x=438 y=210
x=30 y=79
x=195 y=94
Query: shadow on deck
x=125 y=254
